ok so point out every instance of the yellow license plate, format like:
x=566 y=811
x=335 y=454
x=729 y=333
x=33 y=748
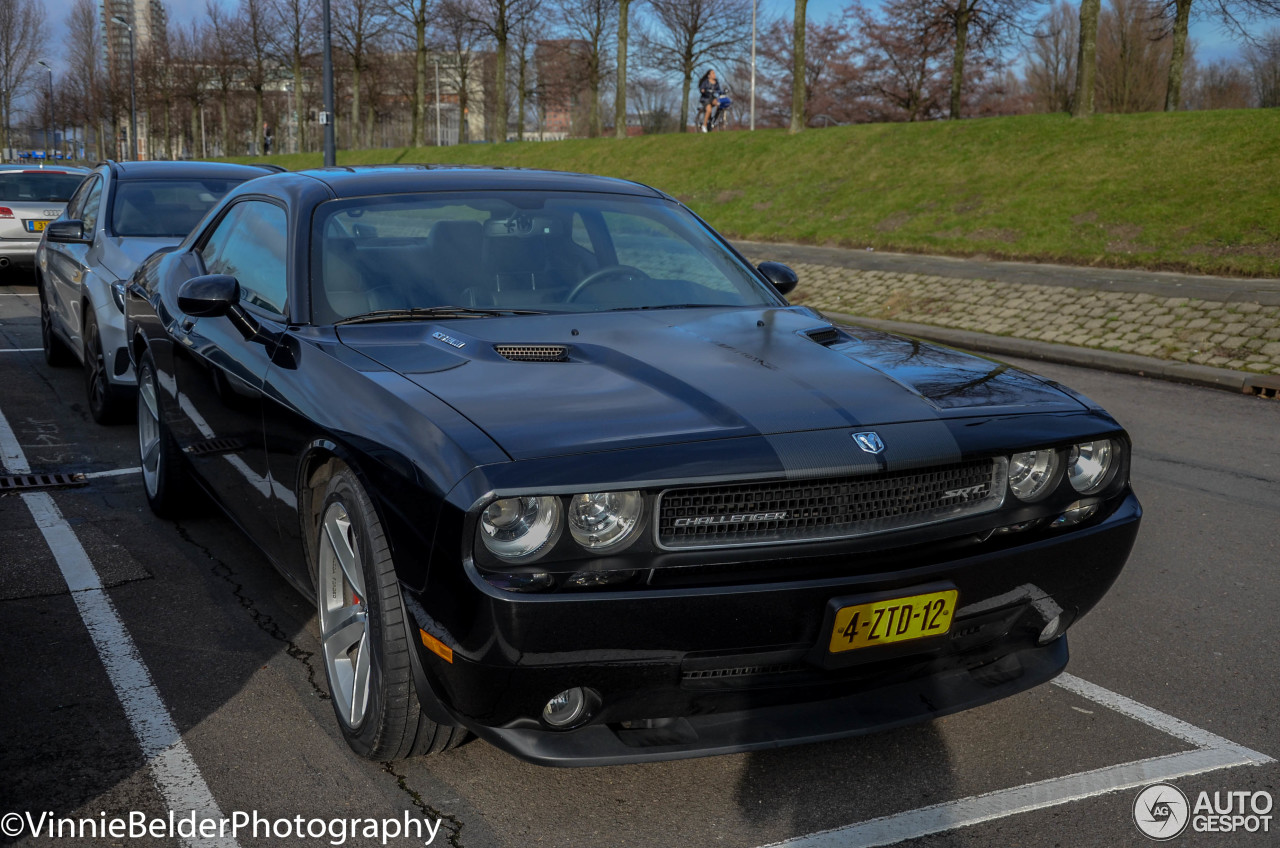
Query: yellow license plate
x=893 y=620
x=36 y=226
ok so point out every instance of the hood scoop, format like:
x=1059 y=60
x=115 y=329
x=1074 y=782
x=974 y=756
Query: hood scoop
x=825 y=336
x=532 y=353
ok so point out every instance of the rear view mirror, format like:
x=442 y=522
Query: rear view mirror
x=210 y=296
x=782 y=277
x=67 y=232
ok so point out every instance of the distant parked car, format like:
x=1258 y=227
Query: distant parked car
x=31 y=197
x=561 y=468
x=119 y=216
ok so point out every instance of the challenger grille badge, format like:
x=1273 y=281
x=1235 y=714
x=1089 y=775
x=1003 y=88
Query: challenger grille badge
x=869 y=442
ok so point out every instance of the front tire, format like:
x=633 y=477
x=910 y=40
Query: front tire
x=166 y=479
x=56 y=352
x=107 y=403
x=363 y=636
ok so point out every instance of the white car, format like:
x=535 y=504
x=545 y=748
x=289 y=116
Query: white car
x=31 y=197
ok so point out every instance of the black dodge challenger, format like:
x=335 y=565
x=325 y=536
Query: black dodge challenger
x=562 y=469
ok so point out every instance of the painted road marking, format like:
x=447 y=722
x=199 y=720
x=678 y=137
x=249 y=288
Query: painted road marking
x=175 y=773
x=1211 y=753
x=22 y=350
x=114 y=472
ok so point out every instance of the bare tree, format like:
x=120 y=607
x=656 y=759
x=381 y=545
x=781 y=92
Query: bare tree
x=524 y=39
x=593 y=23
x=296 y=48
x=458 y=32
x=223 y=59
x=1133 y=57
x=416 y=16
x=191 y=53
x=359 y=27
x=830 y=75
x=22 y=40
x=690 y=32
x=253 y=29
x=620 y=87
x=498 y=18
x=978 y=25
x=902 y=60
x=1051 y=59
x=652 y=99
x=1263 y=57
x=1218 y=85
x=86 y=79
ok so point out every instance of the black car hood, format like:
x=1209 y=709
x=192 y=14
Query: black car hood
x=631 y=379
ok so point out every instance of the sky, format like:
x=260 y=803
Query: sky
x=1211 y=42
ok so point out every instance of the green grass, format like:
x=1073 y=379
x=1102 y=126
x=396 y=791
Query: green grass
x=1196 y=191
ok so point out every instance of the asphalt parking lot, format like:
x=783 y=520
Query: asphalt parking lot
x=1174 y=677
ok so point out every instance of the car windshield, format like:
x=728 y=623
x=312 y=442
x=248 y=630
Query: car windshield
x=164 y=208
x=38 y=186
x=528 y=250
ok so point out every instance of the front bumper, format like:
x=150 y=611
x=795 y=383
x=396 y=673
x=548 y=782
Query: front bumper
x=711 y=670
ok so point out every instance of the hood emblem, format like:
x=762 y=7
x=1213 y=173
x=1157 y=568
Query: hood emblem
x=449 y=340
x=869 y=442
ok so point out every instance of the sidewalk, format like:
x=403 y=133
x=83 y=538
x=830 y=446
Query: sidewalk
x=1209 y=330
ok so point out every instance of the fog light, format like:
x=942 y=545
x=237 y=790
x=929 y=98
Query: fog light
x=567 y=708
x=595 y=579
x=1051 y=630
x=1074 y=514
x=538 y=581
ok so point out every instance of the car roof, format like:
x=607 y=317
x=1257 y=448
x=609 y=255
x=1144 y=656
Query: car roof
x=166 y=170
x=52 y=169
x=400 y=179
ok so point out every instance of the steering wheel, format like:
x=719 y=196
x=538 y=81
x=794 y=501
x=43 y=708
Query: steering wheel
x=601 y=274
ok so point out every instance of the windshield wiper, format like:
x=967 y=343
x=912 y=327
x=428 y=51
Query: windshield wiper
x=433 y=312
x=665 y=306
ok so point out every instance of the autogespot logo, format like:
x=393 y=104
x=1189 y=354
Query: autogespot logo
x=1160 y=811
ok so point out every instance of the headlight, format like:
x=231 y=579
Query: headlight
x=1088 y=464
x=605 y=520
x=117 y=294
x=1032 y=474
x=520 y=528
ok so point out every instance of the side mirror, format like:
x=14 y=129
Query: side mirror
x=782 y=277
x=210 y=296
x=67 y=232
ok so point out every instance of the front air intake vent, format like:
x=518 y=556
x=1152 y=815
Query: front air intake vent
x=824 y=335
x=533 y=353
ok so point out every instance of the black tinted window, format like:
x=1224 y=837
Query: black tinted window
x=35 y=186
x=250 y=244
x=164 y=208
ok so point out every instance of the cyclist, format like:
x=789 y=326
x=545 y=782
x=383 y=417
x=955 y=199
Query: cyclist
x=709 y=91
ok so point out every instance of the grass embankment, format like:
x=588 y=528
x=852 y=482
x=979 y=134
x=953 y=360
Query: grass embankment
x=1196 y=191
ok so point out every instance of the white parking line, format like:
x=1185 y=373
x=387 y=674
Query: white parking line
x=22 y=350
x=19 y=294
x=114 y=472
x=175 y=773
x=1211 y=753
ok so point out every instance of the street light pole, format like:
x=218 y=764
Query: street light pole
x=133 y=92
x=49 y=132
x=326 y=117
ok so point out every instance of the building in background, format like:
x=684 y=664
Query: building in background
x=150 y=27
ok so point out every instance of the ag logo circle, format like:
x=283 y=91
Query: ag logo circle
x=1161 y=811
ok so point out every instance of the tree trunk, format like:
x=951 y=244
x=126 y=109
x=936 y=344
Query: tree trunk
x=593 y=108
x=368 y=127
x=520 y=89
x=499 y=131
x=299 y=106
x=684 y=90
x=259 y=125
x=195 y=130
x=798 y=71
x=420 y=83
x=1182 y=17
x=224 y=131
x=620 y=94
x=963 y=11
x=355 y=107
x=464 y=102
x=1087 y=58
x=168 y=130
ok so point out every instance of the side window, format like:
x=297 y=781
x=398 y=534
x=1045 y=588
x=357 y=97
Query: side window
x=92 y=203
x=250 y=244
x=75 y=206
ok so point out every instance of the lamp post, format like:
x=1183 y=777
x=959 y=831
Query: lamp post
x=49 y=131
x=133 y=92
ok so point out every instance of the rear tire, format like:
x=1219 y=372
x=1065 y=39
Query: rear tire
x=363 y=637
x=166 y=480
x=56 y=352
x=107 y=403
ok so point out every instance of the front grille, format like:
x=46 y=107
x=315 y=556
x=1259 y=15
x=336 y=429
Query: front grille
x=835 y=508
x=533 y=353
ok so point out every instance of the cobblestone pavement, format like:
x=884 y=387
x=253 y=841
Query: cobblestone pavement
x=1235 y=333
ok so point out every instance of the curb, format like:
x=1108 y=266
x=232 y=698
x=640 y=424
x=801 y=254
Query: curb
x=1240 y=382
